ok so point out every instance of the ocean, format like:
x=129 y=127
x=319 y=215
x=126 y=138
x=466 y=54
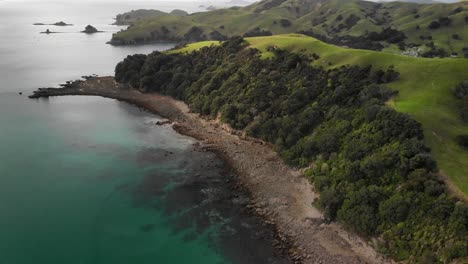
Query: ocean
x=89 y=180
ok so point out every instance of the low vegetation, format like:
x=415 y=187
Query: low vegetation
x=370 y=162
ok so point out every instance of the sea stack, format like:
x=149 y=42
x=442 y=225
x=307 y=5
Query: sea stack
x=90 y=29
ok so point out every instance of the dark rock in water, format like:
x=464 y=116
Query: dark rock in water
x=90 y=77
x=67 y=89
x=59 y=24
x=20 y=93
x=48 y=32
x=162 y=123
x=62 y=24
x=90 y=29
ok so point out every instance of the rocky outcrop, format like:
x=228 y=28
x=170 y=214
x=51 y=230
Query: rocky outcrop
x=90 y=30
x=48 y=32
x=67 y=88
x=62 y=24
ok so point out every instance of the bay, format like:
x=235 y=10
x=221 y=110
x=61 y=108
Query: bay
x=92 y=180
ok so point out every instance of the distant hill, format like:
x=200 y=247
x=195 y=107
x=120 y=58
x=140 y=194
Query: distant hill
x=131 y=17
x=439 y=29
x=421 y=1
x=239 y=3
x=412 y=1
x=211 y=6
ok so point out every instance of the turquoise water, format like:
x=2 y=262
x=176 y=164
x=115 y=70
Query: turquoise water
x=88 y=180
x=63 y=165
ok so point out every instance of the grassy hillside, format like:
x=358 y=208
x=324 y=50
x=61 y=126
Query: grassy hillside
x=133 y=16
x=333 y=20
x=425 y=91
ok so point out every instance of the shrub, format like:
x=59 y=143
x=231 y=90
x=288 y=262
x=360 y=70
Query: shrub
x=464 y=110
x=445 y=21
x=257 y=32
x=461 y=90
x=351 y=21
x=194 y=34
x=434 y=25
x=216 y=35
x=285 y=23
x=435 y=52
x=388 y=34
x=457 y=10
x=462 y=140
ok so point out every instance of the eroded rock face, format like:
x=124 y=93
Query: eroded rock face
x=90 y=29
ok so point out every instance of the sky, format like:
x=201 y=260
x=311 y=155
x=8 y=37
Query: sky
x=196 y=1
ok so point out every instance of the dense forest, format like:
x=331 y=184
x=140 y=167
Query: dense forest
x=369 y=162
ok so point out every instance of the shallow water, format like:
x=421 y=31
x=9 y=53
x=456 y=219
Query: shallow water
x=89 y=180
x=67 y=179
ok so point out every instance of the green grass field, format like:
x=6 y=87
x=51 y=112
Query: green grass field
x=194 y=46
x=425 y=92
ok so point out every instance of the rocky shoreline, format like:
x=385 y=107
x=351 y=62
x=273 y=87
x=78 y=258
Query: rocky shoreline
x=280 y=194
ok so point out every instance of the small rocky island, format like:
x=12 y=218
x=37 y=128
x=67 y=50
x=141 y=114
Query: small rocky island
x=62 y=24
x=90 y=30
x=58 y=24
x=48 y=32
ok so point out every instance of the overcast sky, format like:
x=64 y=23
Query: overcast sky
x=196 y=1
